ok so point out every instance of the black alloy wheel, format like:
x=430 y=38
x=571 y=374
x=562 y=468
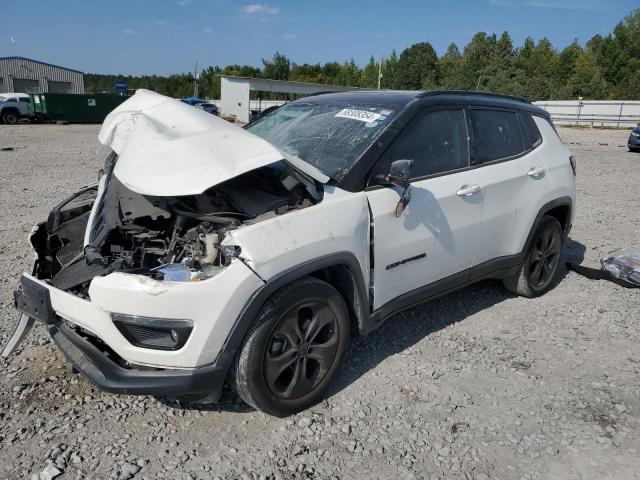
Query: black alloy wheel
x=545 y=256
x=294 y=348
x=301 y=350
x=537 y=274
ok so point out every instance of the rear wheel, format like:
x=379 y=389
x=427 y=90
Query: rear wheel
x=536 y=276
x=294 y=348
x=10 y=117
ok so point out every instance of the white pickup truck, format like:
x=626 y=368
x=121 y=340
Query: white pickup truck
x=13 y=107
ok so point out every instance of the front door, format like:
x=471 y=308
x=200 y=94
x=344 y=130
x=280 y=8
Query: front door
x=436 y=235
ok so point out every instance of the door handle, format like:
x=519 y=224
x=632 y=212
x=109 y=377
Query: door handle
x=467 y=190
x=535 y=171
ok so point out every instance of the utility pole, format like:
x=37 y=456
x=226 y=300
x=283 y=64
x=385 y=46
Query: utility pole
x=478 y=85
x=379 y=72
x=195 y=80
x=15 y=50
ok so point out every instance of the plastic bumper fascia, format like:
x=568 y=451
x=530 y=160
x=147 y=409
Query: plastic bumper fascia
x=213 y=305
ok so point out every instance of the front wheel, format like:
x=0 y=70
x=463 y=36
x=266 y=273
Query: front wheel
x=540 y=267
x=294 y=348
x=10 y=118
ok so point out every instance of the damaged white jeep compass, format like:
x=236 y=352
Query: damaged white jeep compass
x=210 y=253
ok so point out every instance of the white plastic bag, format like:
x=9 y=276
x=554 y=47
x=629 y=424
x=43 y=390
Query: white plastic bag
x=624 y=265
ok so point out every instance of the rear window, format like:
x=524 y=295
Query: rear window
x=497 y=135
x=530 y=132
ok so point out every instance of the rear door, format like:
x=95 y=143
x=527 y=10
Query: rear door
x=505 y=145
x=436 y=235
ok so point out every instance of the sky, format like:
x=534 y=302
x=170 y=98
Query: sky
x=168 y=36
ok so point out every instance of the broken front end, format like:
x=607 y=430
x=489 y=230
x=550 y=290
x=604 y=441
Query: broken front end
x=141 y=291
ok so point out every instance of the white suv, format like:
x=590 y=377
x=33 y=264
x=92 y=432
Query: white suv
x=210 y=253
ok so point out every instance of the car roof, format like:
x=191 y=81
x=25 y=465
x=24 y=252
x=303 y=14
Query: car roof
x=401 y=98
x=482 y=99
x=14 y=95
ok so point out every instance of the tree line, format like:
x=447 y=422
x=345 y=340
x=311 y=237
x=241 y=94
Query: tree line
x=606 y=67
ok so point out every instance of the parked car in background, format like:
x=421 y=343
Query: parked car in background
x=208 y=253
x=202 y=105
x=634 y=140
x=13 y=107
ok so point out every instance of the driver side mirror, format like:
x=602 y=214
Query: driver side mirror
x=398 y=176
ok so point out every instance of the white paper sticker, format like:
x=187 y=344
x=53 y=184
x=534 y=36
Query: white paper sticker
x=362 y=115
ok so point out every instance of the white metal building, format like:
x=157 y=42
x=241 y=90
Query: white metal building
x=234 y=92
x=23 y=75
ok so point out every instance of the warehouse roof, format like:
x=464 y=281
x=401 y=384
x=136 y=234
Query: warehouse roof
x=38 y=61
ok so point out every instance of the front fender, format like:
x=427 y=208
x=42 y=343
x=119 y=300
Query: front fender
x=340 y=223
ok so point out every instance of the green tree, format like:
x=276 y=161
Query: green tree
x=390 y=71
x=452 y=69
x=307 y=73
x=587 y=80
x=534 y=69
x=418 y=67
x=370 y=74
x=278 y=68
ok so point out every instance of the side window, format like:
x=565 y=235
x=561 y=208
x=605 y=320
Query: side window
x=497 y=135
x=437 y=143
x=12 y=100
x=530 y=132
x=24 y=99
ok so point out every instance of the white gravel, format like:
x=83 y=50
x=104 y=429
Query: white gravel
x=475 y=385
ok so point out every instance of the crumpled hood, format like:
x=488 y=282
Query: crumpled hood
x=168 y=148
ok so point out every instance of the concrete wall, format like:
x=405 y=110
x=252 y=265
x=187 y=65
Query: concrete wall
x=594 y=113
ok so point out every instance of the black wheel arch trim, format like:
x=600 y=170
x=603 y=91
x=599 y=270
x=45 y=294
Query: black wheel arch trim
x=347 y=259
x=546 y=208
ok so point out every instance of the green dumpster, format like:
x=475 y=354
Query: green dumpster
x=73 y=108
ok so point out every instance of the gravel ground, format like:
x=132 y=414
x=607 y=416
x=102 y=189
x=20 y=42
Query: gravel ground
x=475 y=385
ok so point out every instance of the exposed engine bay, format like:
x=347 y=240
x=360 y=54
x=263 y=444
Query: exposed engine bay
x=166 y=238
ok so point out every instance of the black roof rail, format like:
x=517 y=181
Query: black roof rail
x=472 y=93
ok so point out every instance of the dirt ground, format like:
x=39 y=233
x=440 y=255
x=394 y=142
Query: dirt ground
x=478 y=384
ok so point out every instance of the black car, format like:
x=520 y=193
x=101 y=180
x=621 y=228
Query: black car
x=634 y=140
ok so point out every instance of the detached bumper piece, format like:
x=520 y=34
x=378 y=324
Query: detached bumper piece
x=33 y=299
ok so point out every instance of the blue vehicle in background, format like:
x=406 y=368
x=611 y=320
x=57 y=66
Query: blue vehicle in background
x=634 y=140
x=201 y=104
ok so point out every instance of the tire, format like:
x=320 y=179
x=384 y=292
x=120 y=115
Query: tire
x=536 y=277
x=293 y=349
x=10 y=117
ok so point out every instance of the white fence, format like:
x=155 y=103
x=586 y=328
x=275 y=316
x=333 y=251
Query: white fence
x=594 y=113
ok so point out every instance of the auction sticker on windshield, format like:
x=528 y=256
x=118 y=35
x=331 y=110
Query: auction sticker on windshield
x=362 y=115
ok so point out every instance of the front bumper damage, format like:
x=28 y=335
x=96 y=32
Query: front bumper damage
x=102 y=366
x=33 y=300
